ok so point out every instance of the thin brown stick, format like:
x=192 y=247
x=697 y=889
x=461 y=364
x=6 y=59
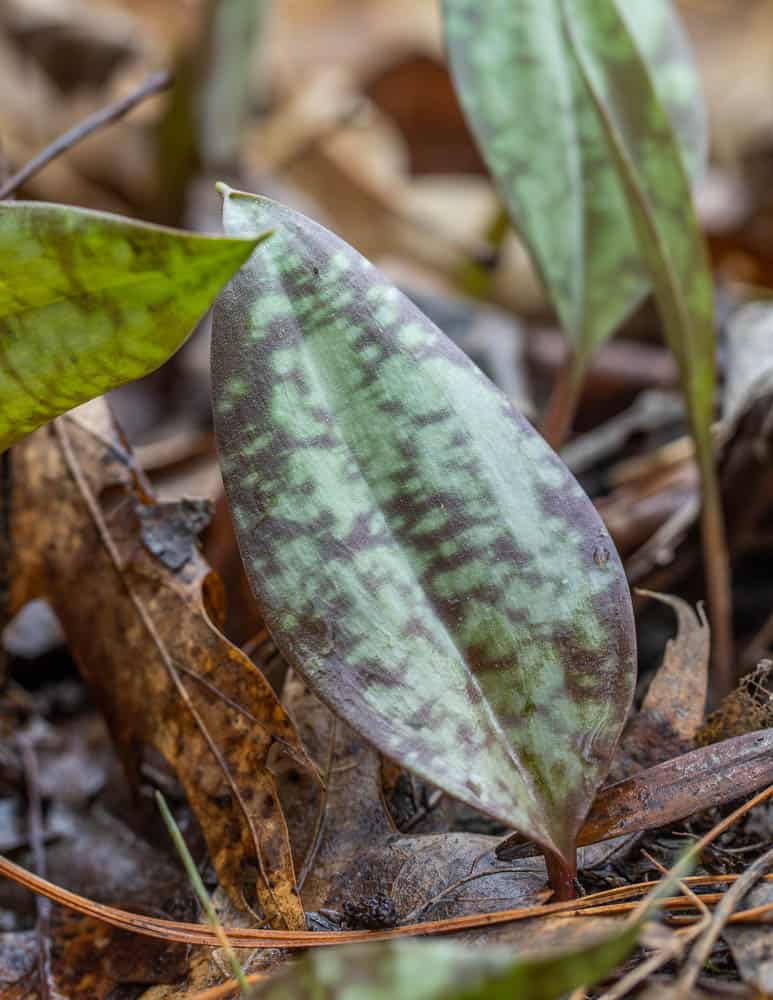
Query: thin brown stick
x=753 y=916
x=650 y=966
x=700 y=953
x=249 y=938
x=600 y=903
x=756 y=915
x=725 y=824
x=700 y=906
x=319 y=825
x=100 y=119
x=673 y=949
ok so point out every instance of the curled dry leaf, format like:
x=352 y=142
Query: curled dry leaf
x=677 y=695
x=675 y=703
x=680 y=787
x=146 y=640
x=699 y=780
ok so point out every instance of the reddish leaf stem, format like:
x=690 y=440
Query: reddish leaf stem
x=561 y=876
x=718 y=581
x=563 y=402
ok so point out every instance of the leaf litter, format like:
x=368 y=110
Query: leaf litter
x=355 y=869
x=146 y=639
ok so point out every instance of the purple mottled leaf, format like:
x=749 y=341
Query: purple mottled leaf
x=421 y=556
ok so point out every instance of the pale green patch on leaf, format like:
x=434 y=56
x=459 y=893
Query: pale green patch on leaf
x=419 y=553
x=446 y=970
x=89 y=301
x=542 y=138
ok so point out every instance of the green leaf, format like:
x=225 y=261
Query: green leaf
x=420 y=554
x=657 y=188
x=643 y=149
x=446 y=970
x=89 y=301
x=541 y=136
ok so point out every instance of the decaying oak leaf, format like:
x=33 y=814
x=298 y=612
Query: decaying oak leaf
x=146 y=640
x=89 y=301
x=420 y=555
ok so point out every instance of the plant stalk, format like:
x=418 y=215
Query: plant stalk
x=563 y=402
x=561 y=876
x=199 y=888
x=719 y=592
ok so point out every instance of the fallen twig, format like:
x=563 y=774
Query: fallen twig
x=100 y=119
x=722 y=914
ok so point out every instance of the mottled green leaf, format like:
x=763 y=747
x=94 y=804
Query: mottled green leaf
x=89 y=301
x=446 y=970
x=641 y=142
x=642 y=145
x=540 y=134
x=420 y=554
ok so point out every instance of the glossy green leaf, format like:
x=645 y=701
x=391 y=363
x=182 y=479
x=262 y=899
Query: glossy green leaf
x=89 y=301
x=541 y=136
x=446 y=970
x=420 y=554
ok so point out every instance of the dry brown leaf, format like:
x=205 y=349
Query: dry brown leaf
x=671 y=791
x=89 y=959
x=364 y=868
x=677 y=695
x=746 y=709
x=674 y=706
x=146 y=639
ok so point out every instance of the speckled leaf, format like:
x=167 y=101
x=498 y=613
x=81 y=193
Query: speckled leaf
x=446 y=970
x=420 y=555
x=89 y=301
x=540 y=134
x=644 y=150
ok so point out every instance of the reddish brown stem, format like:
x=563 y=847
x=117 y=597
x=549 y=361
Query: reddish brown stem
x=563 y=402
x=718 y=582
x=561 y=877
